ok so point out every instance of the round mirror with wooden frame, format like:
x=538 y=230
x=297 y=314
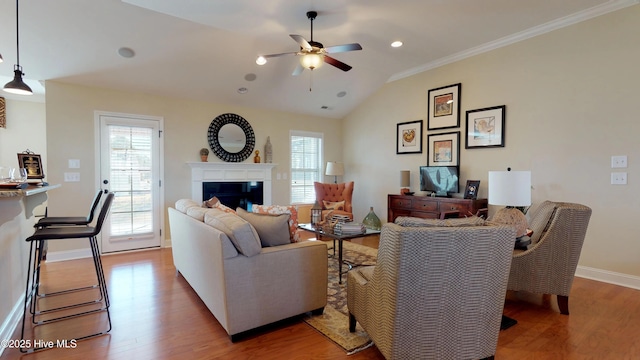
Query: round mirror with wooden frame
x=231 y=137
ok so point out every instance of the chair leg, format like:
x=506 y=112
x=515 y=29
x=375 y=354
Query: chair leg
x=563 y=304
x=352 y=323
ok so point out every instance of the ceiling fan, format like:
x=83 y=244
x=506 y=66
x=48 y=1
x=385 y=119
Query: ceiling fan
x=314 y=54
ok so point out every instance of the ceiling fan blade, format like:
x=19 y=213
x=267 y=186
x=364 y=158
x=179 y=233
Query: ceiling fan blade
x=302 y=42
x=276 y=55
x=298 y=70
x=343 y=48
x=337 y=63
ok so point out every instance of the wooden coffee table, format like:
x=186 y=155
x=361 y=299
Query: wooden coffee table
x=321 y=233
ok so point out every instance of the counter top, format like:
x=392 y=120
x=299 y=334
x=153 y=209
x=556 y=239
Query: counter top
x=30 y=190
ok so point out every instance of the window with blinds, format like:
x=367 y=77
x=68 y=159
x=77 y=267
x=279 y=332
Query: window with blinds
x=306 y=165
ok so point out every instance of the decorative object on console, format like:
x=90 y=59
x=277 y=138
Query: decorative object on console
x=334 y=169
x=231 y=137
x=268 y=151
x=409 y=137
x=510 y=189
x=3 y=113
x=204 y=154
x=471 y=190
x=485 y=127
x=372 y=221
x=405 y=182
x=444 y=107
x=17 y=85
x=256 y=159
x=316 y=213
x=444 y=149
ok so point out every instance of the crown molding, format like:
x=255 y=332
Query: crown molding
x=568 y=20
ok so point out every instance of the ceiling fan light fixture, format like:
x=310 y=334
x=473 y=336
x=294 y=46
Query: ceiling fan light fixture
x=261 y=60
x=17 y=85
x=311 y=61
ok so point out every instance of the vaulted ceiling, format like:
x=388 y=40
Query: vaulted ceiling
x=206 y=50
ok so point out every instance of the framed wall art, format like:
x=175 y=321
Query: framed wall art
x=444 y=149
x=471 y=190
x=33 y=164
x=409 y=137
x=444 y=107
x=485 y=127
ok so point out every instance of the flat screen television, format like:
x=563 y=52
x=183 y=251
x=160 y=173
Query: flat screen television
x=441 y=180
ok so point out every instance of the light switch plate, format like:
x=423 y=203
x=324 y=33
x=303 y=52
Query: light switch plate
x=618 y=178
x=619 y=161
x=71 y=177
x=74 y=163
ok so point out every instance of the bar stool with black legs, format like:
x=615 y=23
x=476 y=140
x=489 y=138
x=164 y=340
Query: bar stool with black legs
x=33 y=276
x=71 y=220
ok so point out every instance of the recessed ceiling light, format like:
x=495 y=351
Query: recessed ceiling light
x=342 y=93
x=261 y=60
x=250 y=77
x=243 y=90
x=396 y=44
x=126 y=52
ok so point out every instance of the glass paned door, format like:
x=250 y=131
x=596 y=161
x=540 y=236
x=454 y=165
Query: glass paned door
x=129 y=168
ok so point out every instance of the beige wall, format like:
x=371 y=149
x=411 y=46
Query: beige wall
x=571 y=98
x=70 y=135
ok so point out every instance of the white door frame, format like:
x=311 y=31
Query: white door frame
x=97 y=170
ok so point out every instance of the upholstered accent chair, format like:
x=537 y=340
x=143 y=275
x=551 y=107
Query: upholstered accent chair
x=435 y=292
x=549 y=264
x=335 y=198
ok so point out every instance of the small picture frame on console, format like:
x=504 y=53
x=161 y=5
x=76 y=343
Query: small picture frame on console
x=33 y=164
x=471 y=190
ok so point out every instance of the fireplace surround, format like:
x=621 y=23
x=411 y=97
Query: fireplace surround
x=219 y=172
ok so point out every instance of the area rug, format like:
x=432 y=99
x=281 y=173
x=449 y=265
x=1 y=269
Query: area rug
x=334 y=322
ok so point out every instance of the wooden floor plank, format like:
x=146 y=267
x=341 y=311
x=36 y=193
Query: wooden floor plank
x=156 y=315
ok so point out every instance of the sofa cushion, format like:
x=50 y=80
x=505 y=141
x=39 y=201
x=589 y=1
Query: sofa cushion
x=273 y=230
x=198 y=212
x=183 y=204
x=291 y=210
x=243 y=236
x=452 y=222
x=540 y=221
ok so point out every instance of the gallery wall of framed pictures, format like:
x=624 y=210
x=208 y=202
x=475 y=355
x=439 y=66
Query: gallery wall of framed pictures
x=483 y=128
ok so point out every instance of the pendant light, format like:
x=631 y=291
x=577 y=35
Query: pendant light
x=17 y=86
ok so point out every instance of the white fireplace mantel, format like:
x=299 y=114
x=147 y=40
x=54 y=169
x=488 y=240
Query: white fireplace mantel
x=224 y=172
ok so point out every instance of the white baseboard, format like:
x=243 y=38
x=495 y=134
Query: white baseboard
x=610 y=277
x=11 y=322
x=68 y=255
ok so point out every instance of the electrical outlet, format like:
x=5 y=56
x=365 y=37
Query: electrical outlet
x=618 y=178
x=619 y=161
x=71 y=177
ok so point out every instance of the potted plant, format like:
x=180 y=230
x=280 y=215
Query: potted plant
x=204 y=154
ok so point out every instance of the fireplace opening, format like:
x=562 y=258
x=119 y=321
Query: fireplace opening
x=234 y=193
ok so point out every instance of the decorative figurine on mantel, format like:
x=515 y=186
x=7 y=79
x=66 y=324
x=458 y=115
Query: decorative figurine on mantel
x=204 y=154
x=256 y=159
x=268 y=151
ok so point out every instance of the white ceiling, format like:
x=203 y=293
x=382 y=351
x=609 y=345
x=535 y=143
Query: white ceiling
x=203 y=50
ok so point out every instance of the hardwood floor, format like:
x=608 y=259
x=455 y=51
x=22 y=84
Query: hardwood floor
x=156 y=315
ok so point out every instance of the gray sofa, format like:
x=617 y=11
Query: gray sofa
x=244 y=292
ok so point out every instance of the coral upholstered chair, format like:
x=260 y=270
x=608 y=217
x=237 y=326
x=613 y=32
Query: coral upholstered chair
x=335 y=198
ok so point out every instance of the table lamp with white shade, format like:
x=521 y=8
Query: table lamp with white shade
x=510 y=189
x=334 y=169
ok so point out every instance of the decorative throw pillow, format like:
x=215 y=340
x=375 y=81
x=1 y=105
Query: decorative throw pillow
x=541 y=218
x=183 y=205
x=333 y=205
x=243 y=236
x=215 y=203
x=453 y=222
x=291 y=210
x=273 y=230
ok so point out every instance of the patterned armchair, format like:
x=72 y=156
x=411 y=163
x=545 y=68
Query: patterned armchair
x=549 y=264
x=335 y=198
x=435 y=292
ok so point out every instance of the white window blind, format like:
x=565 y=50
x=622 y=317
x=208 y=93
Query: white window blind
x=306 y=165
